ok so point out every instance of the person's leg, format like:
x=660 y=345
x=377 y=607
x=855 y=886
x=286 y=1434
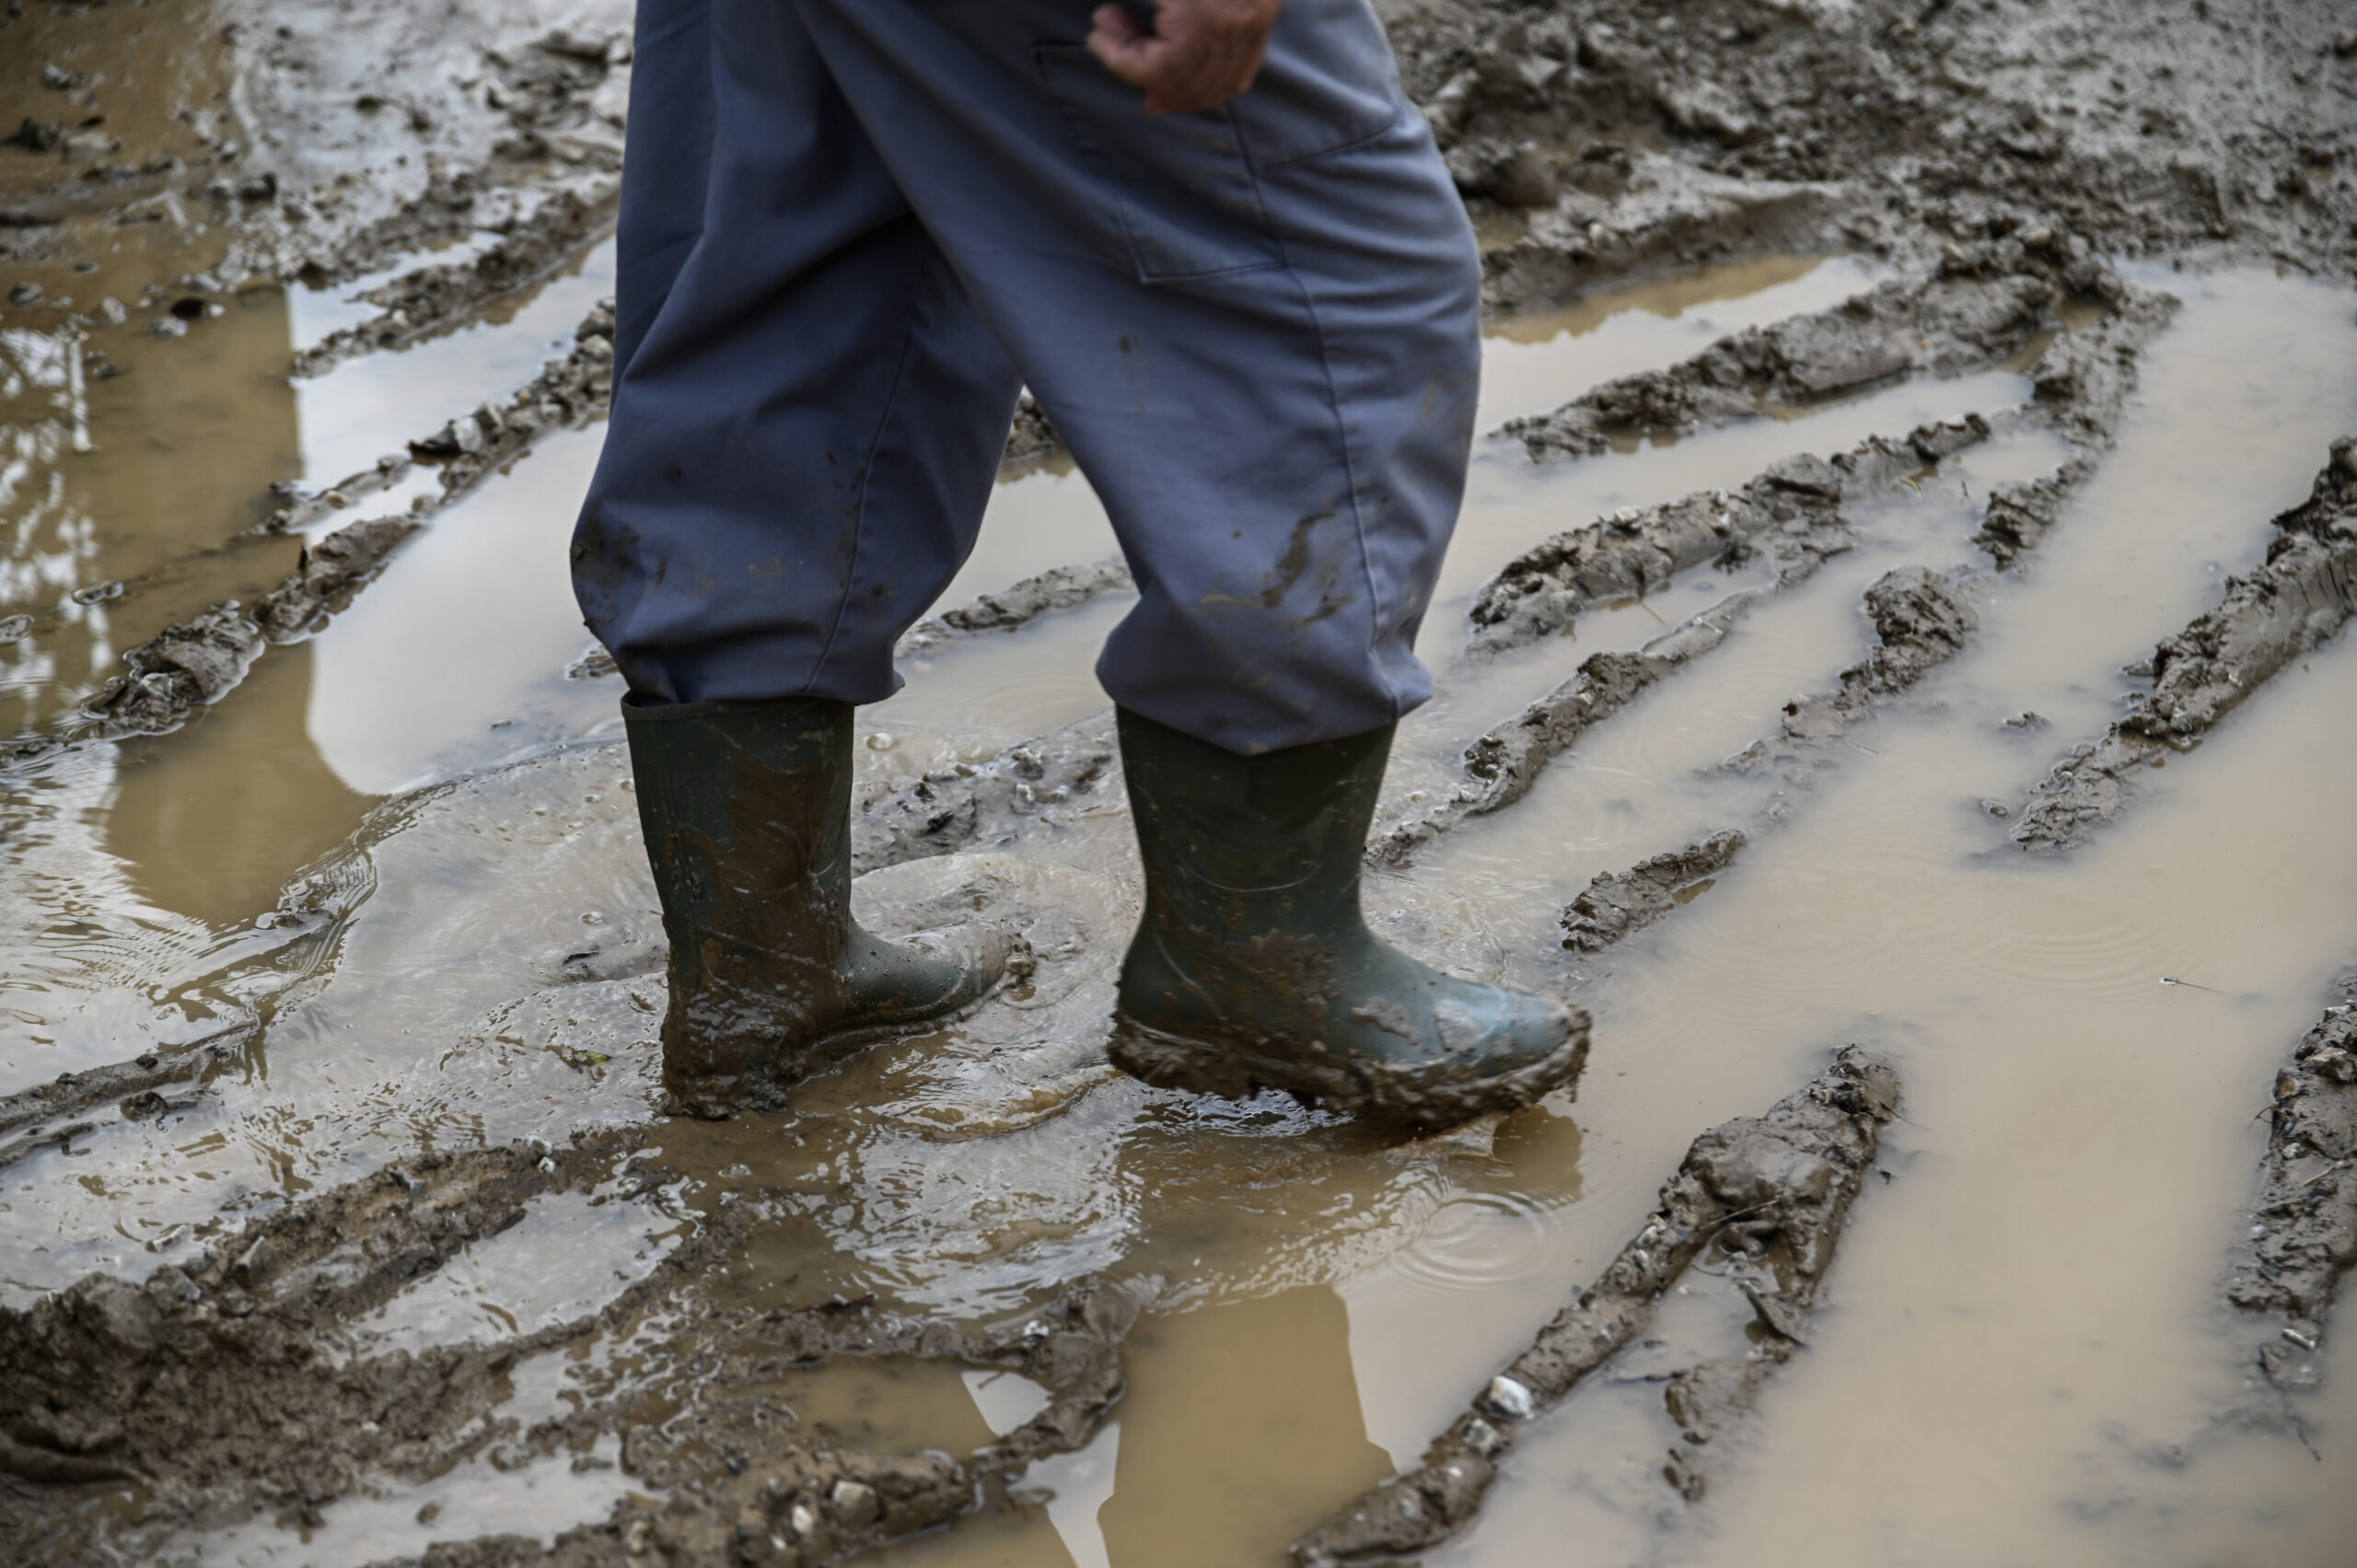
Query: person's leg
x=808 y=412
x=1257 y=327
x=807 y=416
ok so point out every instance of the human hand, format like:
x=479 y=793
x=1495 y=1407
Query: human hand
x=1198 y=55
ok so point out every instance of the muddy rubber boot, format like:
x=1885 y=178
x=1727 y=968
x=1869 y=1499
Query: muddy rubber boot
x=1254 y=969
x=747 y=812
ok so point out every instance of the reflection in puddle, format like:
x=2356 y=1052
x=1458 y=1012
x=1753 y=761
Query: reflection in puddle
x=367 y=408
x=455 y=658
x=538 y=1500
x=214 y=821
x=565 y=1260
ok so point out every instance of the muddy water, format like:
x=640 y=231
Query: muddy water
x=125 y=500
x=2011 y=1359
x=1331 y=1298
x=2055 y=1288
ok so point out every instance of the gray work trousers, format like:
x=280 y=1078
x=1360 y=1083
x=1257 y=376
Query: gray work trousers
x=852 y=229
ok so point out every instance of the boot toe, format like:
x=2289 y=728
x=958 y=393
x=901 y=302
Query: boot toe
x=1499 y=1056
x=930 y=974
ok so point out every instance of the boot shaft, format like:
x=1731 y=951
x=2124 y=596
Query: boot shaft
x=1251 y=845
x=746 y=809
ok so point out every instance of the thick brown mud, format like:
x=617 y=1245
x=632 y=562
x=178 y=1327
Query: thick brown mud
x=234 y=1380
x=341 y=1226
x=2303 y=1225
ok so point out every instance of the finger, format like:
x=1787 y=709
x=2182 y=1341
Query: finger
x=1197 y=84
x=1115 y=25
x=1141 y=61
x=1121 y=46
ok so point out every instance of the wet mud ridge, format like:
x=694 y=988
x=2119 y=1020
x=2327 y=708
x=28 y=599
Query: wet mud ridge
x=1767 y=1197
x=1962 y=321
x=2303 y=1225
x=244 y=1379
x=2302 y=595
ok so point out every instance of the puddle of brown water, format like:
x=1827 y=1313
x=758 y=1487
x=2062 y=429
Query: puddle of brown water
x=891 y=1407
x=1240 y=1426
x=149 y=479
x=2028 y=1307
x=215 y=820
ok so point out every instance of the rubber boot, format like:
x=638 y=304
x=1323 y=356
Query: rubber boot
x=747 y=812
x=1253 y=966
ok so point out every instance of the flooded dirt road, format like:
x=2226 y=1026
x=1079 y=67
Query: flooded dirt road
x=1899 y=605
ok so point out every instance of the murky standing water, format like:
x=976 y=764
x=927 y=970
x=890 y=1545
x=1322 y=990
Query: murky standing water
x=389 y=855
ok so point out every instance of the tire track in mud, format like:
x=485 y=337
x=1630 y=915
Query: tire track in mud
x=1922 y=622
x=1036 y=781
x=1772 y=1193
x=2303 y=1231
x=241 y=1377
x=1794 y=509
x=1969 y=316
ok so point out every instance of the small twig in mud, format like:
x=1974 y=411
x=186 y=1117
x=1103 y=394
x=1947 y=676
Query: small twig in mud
x=2190 y=985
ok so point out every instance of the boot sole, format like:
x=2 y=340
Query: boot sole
x=1426 y=1101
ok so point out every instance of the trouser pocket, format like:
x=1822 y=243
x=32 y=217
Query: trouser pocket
x=1185 y=190
x=1178 y=184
